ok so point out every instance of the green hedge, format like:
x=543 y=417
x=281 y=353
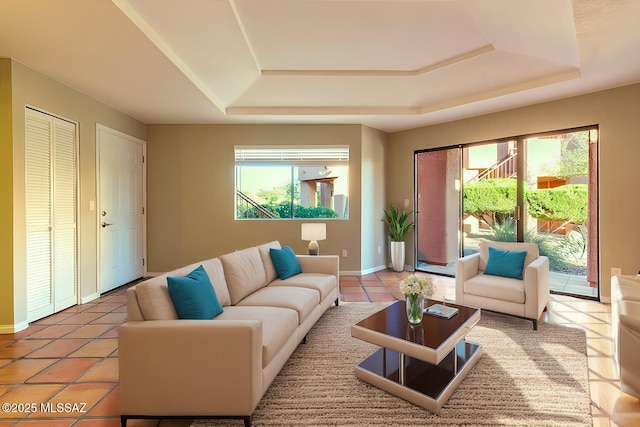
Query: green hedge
x=496 y=198
x=566 y=203
x=490 y=195
x=283 y=210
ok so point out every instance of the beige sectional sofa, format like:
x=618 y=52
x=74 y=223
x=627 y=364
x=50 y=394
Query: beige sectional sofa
x=219 y=368
x=625 y=325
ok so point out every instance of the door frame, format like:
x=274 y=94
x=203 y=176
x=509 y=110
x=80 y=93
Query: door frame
x=521 y=172
x=133 y=140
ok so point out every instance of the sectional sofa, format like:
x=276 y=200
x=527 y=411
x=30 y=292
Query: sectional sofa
x=220 y=368
x=625 y=325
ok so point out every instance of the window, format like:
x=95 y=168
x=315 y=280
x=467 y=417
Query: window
x=291 y=182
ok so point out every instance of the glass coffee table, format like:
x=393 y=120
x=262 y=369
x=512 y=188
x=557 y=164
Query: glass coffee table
x=422 y=364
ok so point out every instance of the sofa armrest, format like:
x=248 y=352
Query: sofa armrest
x=536 y=286
x=466 y=268
x=327 y=264
x=186 y=367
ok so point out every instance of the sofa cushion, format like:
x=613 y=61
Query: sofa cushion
x=265 y=255
x=505 y=263
x=244 y=272
x=214 y=270
x=323 y=283
x=154 y=300
x=278 y=324
x=302 y=300
x=496 y=287
x=285 y=261
x=532 y=251
x=193 y=295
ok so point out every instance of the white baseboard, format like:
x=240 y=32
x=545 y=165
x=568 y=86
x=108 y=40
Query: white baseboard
x=351 y=273
x=89 y=298
x=11 y=329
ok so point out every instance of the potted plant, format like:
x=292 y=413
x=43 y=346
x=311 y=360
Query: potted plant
x=398 y=229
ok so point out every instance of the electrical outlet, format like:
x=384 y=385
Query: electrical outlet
x=344 y=253
x=379 y=250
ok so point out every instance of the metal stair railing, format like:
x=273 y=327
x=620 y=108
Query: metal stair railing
x=504 y=168
x=262 y=212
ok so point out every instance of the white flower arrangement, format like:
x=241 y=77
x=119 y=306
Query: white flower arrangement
x=414 y=284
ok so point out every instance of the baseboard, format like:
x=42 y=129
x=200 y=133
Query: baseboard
x=371 y=270
x=351 y=273
x=89 y=298
x=406 y=267
x=12 y=329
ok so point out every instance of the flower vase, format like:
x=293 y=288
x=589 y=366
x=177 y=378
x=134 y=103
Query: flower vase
x=415 y=307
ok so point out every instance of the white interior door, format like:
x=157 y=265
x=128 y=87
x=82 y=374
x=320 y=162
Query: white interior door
x=120 y=210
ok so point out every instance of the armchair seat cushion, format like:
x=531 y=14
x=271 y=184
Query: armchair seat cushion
x=496 y=287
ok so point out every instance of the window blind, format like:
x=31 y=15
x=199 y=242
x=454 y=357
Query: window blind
x=292 y=155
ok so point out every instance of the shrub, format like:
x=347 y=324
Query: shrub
x=284 y=211
x=566 y=203
x=490 y=200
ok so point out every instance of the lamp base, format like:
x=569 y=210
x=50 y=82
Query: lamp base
x=314 y=248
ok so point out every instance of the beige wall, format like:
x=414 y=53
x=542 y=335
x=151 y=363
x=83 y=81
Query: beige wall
x=6 y=195
x=190 y=193
x=36 y=90
x=374 y=236
x=616 y=111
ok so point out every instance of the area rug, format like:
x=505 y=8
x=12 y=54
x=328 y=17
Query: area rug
x=524 y=378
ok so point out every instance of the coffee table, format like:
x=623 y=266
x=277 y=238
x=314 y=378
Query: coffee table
x=422 y=364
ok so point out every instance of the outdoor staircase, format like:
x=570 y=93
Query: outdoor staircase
x=507 y=167
x=260 y=211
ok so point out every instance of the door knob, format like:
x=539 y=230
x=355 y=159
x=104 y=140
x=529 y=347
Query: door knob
x=105 y=224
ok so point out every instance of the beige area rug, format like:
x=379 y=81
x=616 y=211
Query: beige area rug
x=524 y=378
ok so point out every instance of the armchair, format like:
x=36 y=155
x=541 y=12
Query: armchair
x=525 y=297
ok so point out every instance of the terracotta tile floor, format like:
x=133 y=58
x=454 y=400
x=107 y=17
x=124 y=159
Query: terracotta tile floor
x=71 y=357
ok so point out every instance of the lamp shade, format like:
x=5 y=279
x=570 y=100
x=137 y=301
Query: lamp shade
x=314 y=231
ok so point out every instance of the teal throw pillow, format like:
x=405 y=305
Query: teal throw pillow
x=193 y=295
x=505 y=263
x=285 y=262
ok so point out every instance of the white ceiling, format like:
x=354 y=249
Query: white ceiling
x=389 y=64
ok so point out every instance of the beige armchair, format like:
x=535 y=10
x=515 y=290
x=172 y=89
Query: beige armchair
x=625 y=316
x=527 y=297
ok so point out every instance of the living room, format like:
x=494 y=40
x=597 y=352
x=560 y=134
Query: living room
x=190 y=177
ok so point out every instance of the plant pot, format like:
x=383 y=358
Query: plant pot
x=397 y=256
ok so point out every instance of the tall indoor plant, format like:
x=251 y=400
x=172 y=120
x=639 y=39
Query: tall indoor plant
x=399 y=226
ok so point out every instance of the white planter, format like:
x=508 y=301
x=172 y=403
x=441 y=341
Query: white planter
x=397 y=256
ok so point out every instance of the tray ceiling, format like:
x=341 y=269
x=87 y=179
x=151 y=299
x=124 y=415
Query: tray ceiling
x=388 y=64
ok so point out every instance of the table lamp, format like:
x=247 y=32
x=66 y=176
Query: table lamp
x=313 y=232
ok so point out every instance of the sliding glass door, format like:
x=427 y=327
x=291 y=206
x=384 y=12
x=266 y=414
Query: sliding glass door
x=538 y=188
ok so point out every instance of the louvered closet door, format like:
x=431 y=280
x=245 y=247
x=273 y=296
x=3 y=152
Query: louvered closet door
x=38 y=131
x=64 y=215
x=50 y=214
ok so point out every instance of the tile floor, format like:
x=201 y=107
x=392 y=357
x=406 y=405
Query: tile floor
x=72 y=358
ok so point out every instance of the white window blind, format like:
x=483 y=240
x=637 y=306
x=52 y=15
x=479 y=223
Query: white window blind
x=292 y=155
